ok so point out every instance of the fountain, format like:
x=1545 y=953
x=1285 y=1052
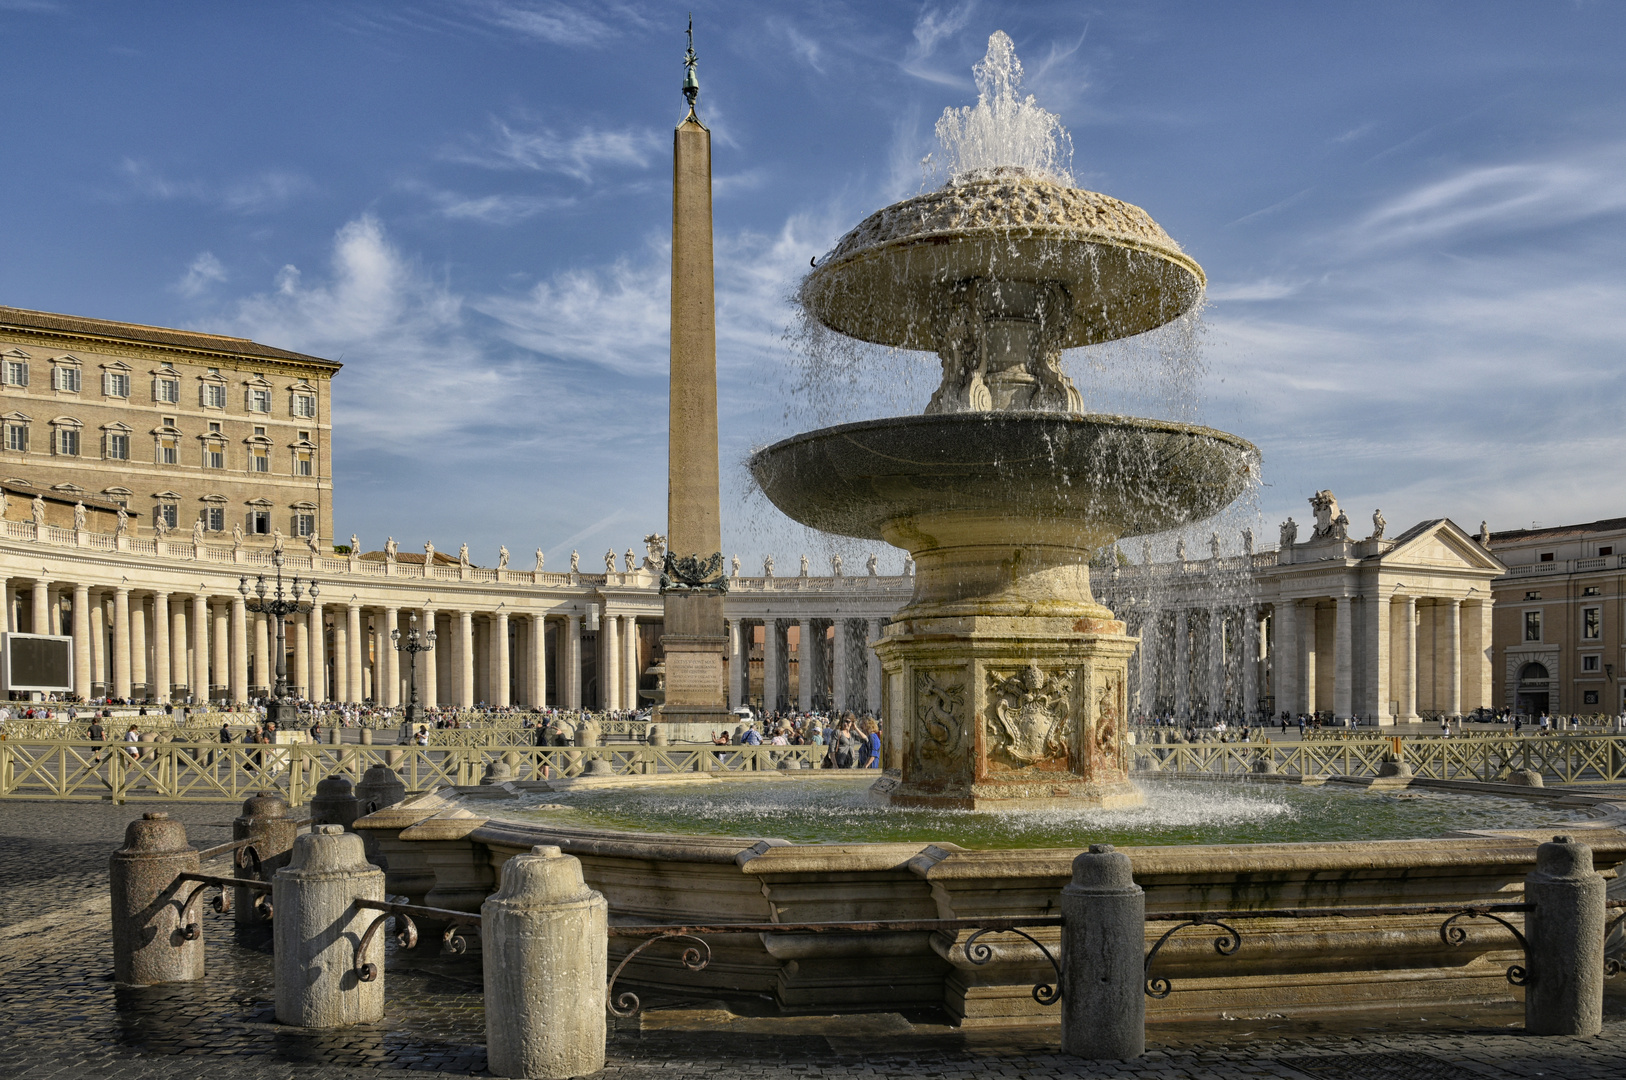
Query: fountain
x=1005 y=680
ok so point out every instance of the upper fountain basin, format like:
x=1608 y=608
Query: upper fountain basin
x=1102 y=476
x=887 y=279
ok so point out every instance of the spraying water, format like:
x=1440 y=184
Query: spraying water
x=1003 y=130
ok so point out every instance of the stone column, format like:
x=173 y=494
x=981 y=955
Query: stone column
x=149 y=940
x=264 y=677
x=341 y=657
x=390 y=698
x=301 y=673
x=610 y=661
x=220 y=636
x=180 y=655
x=1216 y=661
x=238 y=683
x=1182 y=666
x=465 y=658
x=499 y=632
x=539 y=662
x=806 y=665
x=1251 y=667
x=1379 y=682
x=1564 y=961
x=1408 y=660
x=138 y=647
x=354 y=641
x=161 y=645
x=317 y=927
x=5 y=605
x=770 y=664
x=1284 y=658
x=41 y=621
x=99 y=667
x=629 y=661
x=200 y=648
x=316 y=689
x=1103 y=999
x=872 y=668
x=1451 y=700
x=573 y=662
x=1343 y=660
x=1309 y=644
x=735 y=686
x=839 y=695
x=1477 y=641
x=428 y=685
x=81 y=641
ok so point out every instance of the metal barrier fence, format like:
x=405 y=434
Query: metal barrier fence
x=231 y=772
x=1566 y=759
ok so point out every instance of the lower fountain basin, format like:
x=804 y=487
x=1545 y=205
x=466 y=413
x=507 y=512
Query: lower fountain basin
x=1088 y=479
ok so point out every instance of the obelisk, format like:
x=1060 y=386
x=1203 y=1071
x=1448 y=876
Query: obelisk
x=693 y=583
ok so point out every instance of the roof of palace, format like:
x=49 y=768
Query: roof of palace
x=1604 y=525
x=415 y=558
x=46 y=322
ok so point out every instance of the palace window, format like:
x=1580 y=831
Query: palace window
x=165 y=512
x=1532 y=626
x=259 y=401
x=67 y=441
x=302 y=463
x=15 y=372
x=65 y=377
x=1592 y=623
x=214 y=456
x=16 y=436
x=118 y=445
x=1590 y=663
x=115 y=384
x=214 y=518
x=1607 y=549
x=1546 y=556
x=168 y=454
x=1592 y=590
x=305 y=406
x=260 y=459
x=304 y=524
x=166 y=391
x=212 y=396
x=259 y=522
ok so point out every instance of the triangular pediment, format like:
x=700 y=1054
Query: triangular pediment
x=1440 y=544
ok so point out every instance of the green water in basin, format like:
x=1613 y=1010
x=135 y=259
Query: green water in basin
x=836 y=810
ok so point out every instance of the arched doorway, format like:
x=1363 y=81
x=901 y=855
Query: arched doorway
x=1534 y=683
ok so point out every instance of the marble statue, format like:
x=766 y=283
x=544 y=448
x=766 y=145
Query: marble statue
x=873 y=564
x=1180 y=550
x=161 y=526
x=734 y=564
x=428 y=555
x=1247 y=541
x=390 y=549
x=1214 y=547
x=1340 y=526
x=276 y=539
x=355 y=546
x=1378 y=524
x=314 y=542
x=39 y=510
x=1325 y=507
x=538 y=560
x=767 y=566
x=804 y=566
x=1290 y=533
x=1484 y=534
x=4 y=502
x=631 y=562
x=502 y=556
x=197 y=531
x=609 y=561
x=1146 y=553
x=78 y=515
x=655 y=544
x=835 y=565
x=463 y=555
x=237 y=536
x=124 y=523
x=575 y=562
x=908 y=566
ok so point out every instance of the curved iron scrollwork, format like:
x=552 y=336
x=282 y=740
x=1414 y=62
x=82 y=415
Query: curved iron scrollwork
x=406 y=937
x=453 y=941
x=1457 y=935
x=626 y=1003
x=191 y=930
x=1159 y=987
x=693 y=574
x=979 y=952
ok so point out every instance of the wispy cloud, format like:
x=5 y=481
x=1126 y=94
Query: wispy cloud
x=261 y=193
x=553 y=22
x=205 y=271
x=1260 y=289
x=579 y=155
x=933 y=26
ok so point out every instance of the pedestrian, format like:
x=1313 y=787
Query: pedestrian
x=97 y=735
x=133 y=737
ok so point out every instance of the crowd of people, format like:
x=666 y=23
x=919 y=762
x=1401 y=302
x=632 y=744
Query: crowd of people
x=850 y=742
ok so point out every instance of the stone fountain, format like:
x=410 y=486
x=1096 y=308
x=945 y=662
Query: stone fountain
x=1005 y=680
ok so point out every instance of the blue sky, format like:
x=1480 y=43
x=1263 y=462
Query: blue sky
x=1412 y=216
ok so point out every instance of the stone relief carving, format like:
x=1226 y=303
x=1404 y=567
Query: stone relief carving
x=1290 y=533
x=655 y=546
x=938 y=710
x=1106 y=743
x=1030 y=710
x=1325 y=506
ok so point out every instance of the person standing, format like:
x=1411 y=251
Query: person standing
x=98 y=735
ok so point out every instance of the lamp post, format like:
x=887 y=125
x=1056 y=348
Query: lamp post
x=278 y=605
x=413 y=644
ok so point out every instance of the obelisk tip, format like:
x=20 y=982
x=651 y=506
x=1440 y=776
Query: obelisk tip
x=691 y=83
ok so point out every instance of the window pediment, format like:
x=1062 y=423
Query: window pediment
x=117 y=365
x=217 y=499
x=121 y=491
x=165 y=495
x=258 y=502
x=303 y=506
x=167 y=432
x=17 y=418
x=117 y=425
x=67 y=358
x=67 y=421
x=212 y=377
x=68 y=489
x=16 y=354
x=19 y=481
x=258 y=381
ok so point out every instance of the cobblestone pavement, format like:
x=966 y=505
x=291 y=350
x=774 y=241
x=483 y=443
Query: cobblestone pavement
x=61 y=1016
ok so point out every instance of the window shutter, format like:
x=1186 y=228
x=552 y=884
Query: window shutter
x=23 y=368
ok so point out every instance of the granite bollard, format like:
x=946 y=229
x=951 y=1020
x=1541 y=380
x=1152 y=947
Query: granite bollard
x=545 y=950
x=1103 y=1004
x=380 y=787
x=1563 y=992
x=335 y=803
x=318 y=927
x=150 y=942
x=270 y=831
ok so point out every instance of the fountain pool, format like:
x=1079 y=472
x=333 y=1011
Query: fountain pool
x=829 y=810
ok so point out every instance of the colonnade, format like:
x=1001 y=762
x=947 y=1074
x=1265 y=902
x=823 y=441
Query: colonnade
x=1199 y=663
x=832 y=662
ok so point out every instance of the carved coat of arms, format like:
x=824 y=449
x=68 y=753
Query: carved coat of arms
x=1030 y=710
